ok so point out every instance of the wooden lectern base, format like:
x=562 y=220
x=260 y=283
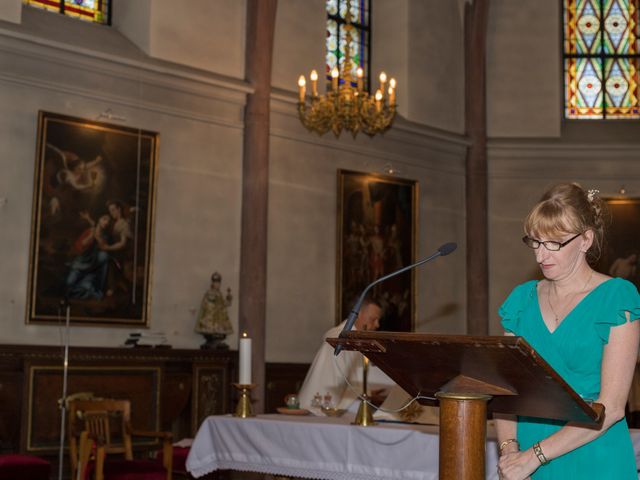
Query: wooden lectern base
x=463 y=432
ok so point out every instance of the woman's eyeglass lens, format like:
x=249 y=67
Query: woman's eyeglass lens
x=548 y=244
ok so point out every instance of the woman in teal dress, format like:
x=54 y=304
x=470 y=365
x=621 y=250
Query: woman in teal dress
x=582 y=323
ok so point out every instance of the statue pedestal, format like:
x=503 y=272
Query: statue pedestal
x=214 y=341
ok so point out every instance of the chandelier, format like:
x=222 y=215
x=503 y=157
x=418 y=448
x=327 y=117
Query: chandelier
x=347 y=105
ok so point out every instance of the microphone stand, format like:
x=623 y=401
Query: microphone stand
x=63 y=400
x=445 y=249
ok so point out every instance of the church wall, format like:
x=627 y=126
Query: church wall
x=10 y=11
x=302 y=226
x=299 y=44
x=436 y=65
x=197 y=222
x=198 y=110
x=391 y=47
x=426 y=62
x=531 y=146
x=530 y=168
x=133 y=20
x=199 y=116
x=201 y=34
x=524 y=69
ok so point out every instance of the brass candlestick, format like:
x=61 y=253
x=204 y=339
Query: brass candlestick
x=364 y=417
x=243 y=409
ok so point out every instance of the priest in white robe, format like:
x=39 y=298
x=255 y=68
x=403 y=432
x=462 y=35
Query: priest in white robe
x=326 y=376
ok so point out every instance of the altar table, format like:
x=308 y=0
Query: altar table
x=321 y=448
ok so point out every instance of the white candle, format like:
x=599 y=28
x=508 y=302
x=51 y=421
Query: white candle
x=314 y=83
x=245 y=360
x=301 y=88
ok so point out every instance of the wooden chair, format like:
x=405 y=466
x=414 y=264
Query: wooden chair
x=98 y=431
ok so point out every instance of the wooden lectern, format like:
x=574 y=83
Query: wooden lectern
x=469 y=376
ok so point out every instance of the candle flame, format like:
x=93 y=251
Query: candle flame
x=244 y=334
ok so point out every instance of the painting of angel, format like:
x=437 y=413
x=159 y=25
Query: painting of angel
x=92 y=222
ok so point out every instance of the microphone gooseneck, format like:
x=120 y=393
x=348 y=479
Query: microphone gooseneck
x=445 y=249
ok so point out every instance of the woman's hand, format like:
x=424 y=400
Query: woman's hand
x=517 y=465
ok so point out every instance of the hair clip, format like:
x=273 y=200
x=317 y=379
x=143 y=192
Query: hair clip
x=592 y=193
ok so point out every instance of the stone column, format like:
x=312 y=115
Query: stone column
x=261 y=16
x=475 y=32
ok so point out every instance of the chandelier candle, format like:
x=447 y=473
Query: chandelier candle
x=314 y=84
x=301 y=86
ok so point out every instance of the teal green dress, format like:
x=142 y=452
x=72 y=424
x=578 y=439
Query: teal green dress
x=575 y=351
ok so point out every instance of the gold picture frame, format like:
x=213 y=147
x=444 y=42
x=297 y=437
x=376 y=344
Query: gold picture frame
x=376 y=235
x=92 y=222
x=621 y=253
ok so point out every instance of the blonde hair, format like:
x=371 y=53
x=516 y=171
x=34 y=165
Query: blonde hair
x=567 y=208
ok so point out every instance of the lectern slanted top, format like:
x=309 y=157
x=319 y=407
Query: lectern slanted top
x=505 y=367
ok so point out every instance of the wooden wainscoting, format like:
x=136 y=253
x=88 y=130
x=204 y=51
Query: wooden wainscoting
x=161 y=384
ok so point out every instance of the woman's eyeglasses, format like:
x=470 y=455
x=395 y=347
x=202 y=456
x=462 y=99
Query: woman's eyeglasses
x=549 y=244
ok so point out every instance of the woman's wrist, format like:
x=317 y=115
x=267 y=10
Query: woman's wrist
x=509 y=445
x=532 y=459
x=539 y=453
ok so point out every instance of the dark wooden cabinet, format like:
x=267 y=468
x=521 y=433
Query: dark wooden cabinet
x=170 y=389
x=282 y=379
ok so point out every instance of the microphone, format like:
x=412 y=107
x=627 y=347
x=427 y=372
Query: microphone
x=445 y=249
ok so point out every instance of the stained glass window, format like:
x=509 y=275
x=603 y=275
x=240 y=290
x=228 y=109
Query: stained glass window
x=337 y=29
x=98 y=11
x=601 y=59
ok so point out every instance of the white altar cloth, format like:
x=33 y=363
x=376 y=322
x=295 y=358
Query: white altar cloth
x=320 y=448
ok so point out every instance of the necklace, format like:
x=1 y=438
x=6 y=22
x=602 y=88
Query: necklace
x=571 y=297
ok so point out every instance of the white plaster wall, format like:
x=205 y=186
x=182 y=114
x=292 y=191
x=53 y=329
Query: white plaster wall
x=436 y=65
x=133 y=20
x=301 y=280
x=208 y=35
x=197 y=221
x=524 y=69
x=11 y=10
x=390 y=47
x=299 y=43
x=199 y=119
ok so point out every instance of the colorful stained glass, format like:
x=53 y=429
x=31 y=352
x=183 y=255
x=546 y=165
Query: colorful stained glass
x=622 y=90
x=601 y=59
x=337 y=43
x=97 y=11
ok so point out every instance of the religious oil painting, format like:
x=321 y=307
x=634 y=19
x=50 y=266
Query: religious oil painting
x=92 y=223
x=621 y=253
x=377 y=224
